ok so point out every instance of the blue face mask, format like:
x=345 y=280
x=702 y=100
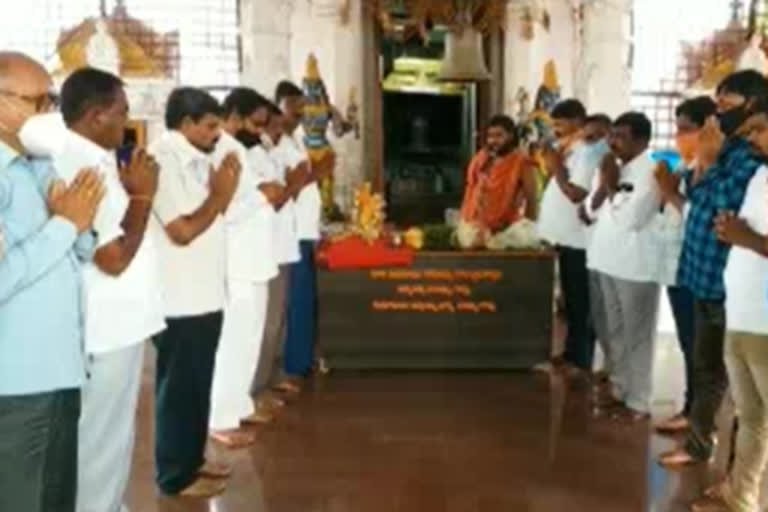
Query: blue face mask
x=600 y=146
x=596 y=150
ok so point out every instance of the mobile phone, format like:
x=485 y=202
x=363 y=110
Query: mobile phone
x=125 y=154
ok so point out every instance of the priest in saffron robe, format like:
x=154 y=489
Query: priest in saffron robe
x=500 y=184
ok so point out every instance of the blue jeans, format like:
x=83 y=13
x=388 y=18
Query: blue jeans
x=681 y=301
x=301 y=325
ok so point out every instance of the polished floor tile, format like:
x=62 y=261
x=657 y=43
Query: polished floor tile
x=436 y=442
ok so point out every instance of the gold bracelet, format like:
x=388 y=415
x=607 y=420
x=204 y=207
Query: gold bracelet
x=146 y=199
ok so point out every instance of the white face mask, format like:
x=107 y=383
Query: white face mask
x=42 y=135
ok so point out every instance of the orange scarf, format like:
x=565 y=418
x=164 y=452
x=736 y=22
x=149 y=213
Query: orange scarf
x=493 y=197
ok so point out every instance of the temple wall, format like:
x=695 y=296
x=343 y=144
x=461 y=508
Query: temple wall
x=265 y=40
x=525 y=59
x=590 y=54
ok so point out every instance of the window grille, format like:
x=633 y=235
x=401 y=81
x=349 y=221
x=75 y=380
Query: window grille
x=664 y=33
x=205 y=32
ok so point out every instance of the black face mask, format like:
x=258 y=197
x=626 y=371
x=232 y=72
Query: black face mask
x=247 y=138
x=731 y=120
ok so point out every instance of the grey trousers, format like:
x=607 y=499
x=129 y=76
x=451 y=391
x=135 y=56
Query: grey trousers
x=269 y=367
x=38 y=452
x=599 y=321
x=631 y=311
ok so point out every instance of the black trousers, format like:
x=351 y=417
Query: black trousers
x=574 y=283
x=186 y=355
x=710 y=380
x=38 y=451
x=682 y=302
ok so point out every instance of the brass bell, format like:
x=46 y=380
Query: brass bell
x=464 y=59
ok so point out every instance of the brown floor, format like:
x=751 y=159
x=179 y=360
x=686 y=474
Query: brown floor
x=435 y=443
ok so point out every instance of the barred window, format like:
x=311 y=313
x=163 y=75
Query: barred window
x=661 y=73
x=207 y=31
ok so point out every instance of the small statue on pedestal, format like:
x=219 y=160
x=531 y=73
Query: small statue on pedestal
x=318 y=114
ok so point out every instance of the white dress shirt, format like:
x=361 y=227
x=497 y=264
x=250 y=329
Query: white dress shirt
x=668 y=231
x=269 y=168
x=559 y=221
x=308 y=203
x=249 y=221
x=746 y=270
x=195 y=274
x=622 y=244
x=120 y=310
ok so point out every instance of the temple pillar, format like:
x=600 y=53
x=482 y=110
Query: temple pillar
x=603 y=75
x=265 y=28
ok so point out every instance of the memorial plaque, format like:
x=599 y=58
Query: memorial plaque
x=449 y=310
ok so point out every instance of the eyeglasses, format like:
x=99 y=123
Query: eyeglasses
x=45 y=102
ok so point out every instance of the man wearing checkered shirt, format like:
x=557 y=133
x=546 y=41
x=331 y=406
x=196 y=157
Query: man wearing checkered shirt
x=719 y=186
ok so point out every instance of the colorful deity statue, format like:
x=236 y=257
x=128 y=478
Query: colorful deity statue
x=537 y=129
x=318 y=114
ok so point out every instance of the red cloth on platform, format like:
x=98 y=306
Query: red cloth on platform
x=354 y=252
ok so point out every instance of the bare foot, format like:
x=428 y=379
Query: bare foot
x=269 y=400
x=233 y=439
x=260 y=416
x=273 y=401
x=203 y=488
x=215 y=470
x=678 y=459
x=630 y=416
x=677 y=424
x=288 y=386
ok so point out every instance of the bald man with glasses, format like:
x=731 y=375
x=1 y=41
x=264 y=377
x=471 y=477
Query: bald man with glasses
x=46 y=232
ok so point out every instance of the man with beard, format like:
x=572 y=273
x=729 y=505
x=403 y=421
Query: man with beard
x=250 y=265
x=287 y=181
x=726 y=163
x=500 y=182
x=191 y=201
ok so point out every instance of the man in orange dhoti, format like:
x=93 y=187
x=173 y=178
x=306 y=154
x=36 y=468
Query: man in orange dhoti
x=501 y=184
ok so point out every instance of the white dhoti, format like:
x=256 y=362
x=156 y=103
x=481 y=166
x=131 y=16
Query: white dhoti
x=238 y=354
x=107 y=429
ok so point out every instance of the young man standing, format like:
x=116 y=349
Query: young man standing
x=690 y=118
x=622 y=253
x=45 y=234
x=288 y=178
x=597 y=128
x=124 y=299
x=250 y=265
x=301 y=329
x=746 y=346
x=573 y=165
x=192 y=198
x=726 y=163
